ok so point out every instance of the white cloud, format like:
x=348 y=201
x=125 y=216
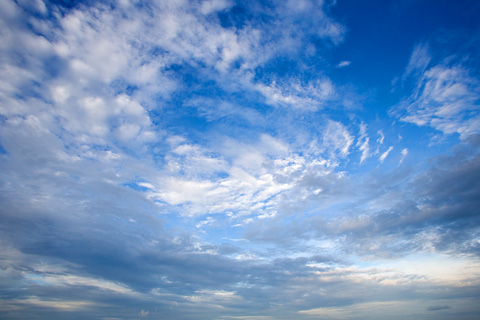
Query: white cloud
x=208 y=220
x=63 y=305
x=73 y=280
x=240 y=191
x=337 y=138
x=382 y=137
x=385 y=154
x=446 y=96
x=100 y=46
x=404 y=155
x=214 y=296
x=214 y=109
x=365 y=150
x=419 y=60
x=310 y=96
x=100 y=157
x=343 y=64
x=254 y=179
x=208 y=7
x=363 y=146
x=368 y=309
x=437 y=266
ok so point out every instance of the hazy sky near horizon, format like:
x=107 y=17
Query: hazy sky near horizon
x=251 y=160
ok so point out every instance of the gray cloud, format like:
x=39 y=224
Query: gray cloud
x=441 y=202
x=437 y=308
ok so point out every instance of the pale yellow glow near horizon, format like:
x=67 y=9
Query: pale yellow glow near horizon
x=453 y=270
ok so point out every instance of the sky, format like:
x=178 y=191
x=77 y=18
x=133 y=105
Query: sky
x=239 y=160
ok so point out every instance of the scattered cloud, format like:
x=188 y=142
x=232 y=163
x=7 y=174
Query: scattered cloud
x=308 y=97
x=404 y=155
x=363 y=146
x=337 y=138
x=343 y=64
x=185 y=160
x=445 y=96
x=385 y=154
x=419 y=61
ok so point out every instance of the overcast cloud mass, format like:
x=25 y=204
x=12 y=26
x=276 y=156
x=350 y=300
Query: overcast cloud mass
x=251 y=160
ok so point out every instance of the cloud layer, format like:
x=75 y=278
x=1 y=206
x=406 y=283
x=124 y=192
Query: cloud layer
x=210 y=159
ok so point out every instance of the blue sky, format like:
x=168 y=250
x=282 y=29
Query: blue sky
x=248 y=160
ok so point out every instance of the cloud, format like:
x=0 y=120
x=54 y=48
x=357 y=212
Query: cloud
x=375 y=310
x=365 y=150
x=404 y=155
x=385 y=154
x=379 y=141
x=163 y=263
x=103 y=51
x=141 y=141
x=445 y=96
x=209 y=7
x=337 y=138
x=214 y=109
x=311 y=96
x=364 y=146
x=382 y=137
x=343 y=64
x=143 y=313
x=437 y=308
x=395 y=213
x=419 y=60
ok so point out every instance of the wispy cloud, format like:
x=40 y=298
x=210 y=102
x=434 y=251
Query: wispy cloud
x=382 y=137
x=385 y=154
x=309 y=97
x=343 y=64
x=404 y=155
x=419 y=61
x=364 y=146
x=337 y=138
x=445 y=96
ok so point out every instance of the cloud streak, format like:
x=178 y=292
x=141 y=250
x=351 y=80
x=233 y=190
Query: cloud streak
x=444 y=97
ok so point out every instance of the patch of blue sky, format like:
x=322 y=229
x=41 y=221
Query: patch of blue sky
x=36 y=279
x=2 y=150
x=136 y=185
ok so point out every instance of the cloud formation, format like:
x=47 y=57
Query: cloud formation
x=212 y=159
x=445 y=96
